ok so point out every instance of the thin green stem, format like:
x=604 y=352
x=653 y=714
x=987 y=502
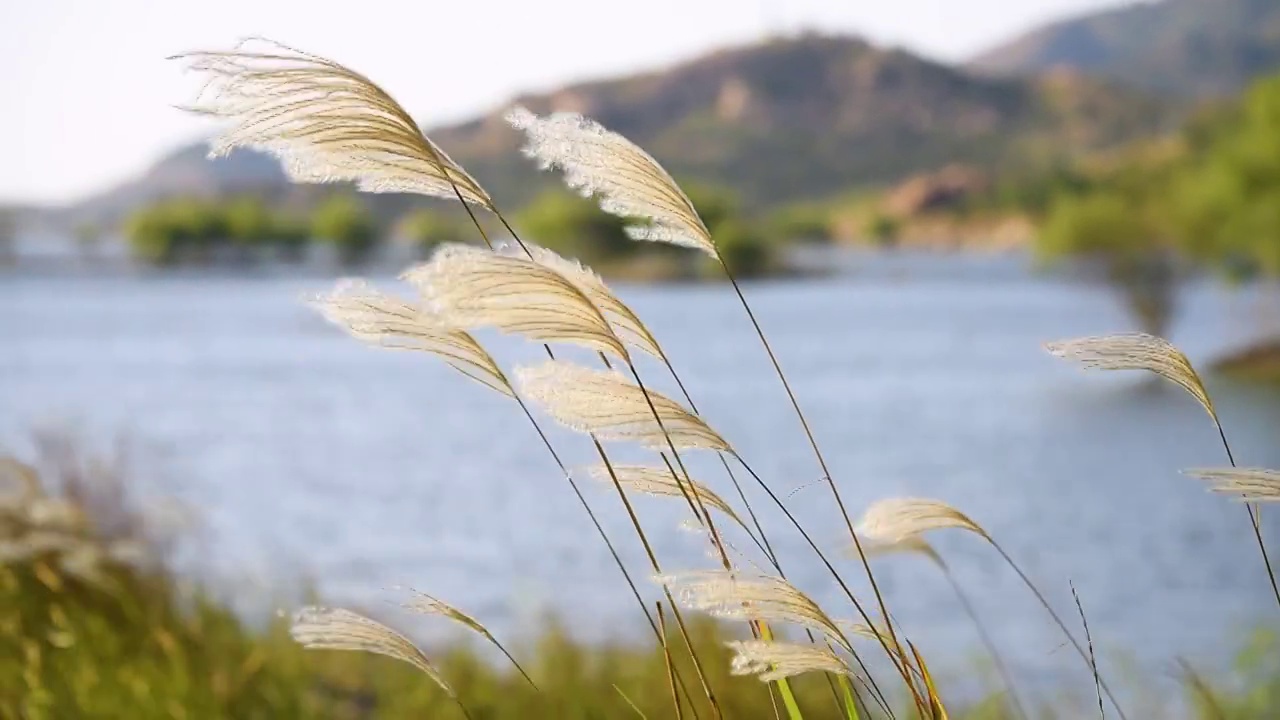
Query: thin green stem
x=1093 y=659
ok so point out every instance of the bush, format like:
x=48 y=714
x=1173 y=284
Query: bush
x=343 y=221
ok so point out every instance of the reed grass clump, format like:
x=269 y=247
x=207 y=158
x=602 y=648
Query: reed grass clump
x=329 y=123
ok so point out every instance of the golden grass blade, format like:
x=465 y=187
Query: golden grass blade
x=737 y=596
x=1248 y=484
x=326 y=122
x=476 y=287
x=628 y=181
x=896 y=520
x=771 y=661
x=613 y=408
x=389 y=322
x=321 y=628
x=1136 y=351
x=625 y=323
x=651 y=480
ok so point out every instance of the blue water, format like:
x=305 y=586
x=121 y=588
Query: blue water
x=310 y=457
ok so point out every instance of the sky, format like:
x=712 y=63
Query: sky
x=88 y=97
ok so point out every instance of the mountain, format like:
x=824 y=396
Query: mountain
x=786 y=119
x=1196 y=48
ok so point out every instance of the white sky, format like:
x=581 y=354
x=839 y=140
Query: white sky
x=88 y=96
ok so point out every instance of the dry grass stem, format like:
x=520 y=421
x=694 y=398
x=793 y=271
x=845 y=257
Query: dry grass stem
x=321 y=628
x=608 y=405
x=898 y=520
x=659 y=481
x=389 y=322
x=772 y=661
x=475 y=287
x=738 y=596
x=627 y=180
x=326 y=122
x=1136 y=351
x=1248 y=484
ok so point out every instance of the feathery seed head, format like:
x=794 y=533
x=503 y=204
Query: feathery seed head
x=1249 y=484
x=612 y=407
x=653 y=480
x=737 y=596
x=625 y=323
x=627 y=181
x=914 y=544
x=325 y=122
x=476 y=287
x=321 y=628
x=898 y=519
x=1136 y=351
x=778 y=660
x=389 y=322
x=428 y=605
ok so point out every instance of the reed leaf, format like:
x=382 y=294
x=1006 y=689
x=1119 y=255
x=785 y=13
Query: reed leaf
x=475 y=287
x=389 y=322
x=772 y=661
x=1249 y=484
x=899 y=519
x=610 y=406
x=1136 y=351
x=627 y=181
x=737 y=596
x=652 y=480
x=326 y=122
x=322 y=628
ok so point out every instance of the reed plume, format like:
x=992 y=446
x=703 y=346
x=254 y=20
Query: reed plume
x=1247 y=484
x=326 y=122
x=903 y=520
x=627 y=181
x=476 y=287
x=389 y=322
x=425 y=604
x=772 y=660
x=322 y=628
x=1139 y=351
x=652 y=480
x=1136 y=351
x=739 y=596
x=611 y=407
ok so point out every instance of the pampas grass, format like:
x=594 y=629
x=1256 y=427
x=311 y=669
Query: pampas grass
x=1246 y=484
x=611 y=407
x=328 y=123
x=325 y=122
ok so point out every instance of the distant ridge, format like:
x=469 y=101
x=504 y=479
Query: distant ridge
x=778 y=121
x=1197 y=48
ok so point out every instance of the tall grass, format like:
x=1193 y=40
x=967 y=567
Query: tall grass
x=329 y=123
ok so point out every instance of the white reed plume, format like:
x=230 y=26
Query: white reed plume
x=778 y=660
x=325 y=122
x=476 y=287
x=389 y=322
x=897 y=520
x=430 y=605
x=626 y=324
x=322 y=628
x=737 y=596
x=628 y=181
x=609 y=405
x=1136 y=351
x=914 y=545
x=1249 y=484
x=653 y=480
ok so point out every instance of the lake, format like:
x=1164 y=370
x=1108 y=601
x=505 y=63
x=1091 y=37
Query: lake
x=311 y=457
